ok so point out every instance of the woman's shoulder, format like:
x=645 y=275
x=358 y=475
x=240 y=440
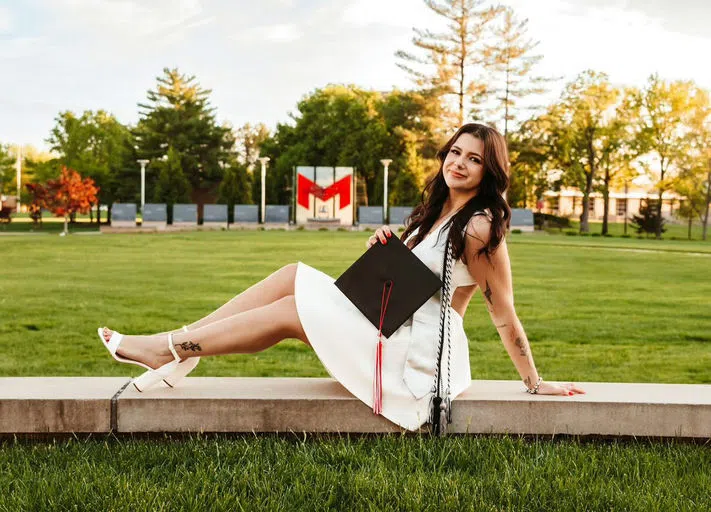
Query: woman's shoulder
x=479 y=227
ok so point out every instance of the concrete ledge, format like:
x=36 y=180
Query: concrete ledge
x=57 y=404
x=243 y=404
x=230 y=404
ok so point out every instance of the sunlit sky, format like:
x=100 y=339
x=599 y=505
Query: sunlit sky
x=260 y=57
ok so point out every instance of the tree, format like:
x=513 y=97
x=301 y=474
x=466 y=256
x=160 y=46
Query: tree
x=695 y=185
x=37 y=199
x=648 y=220
x=7 y=171
x=172 y=185
x=68 y=195
x=248 y=141
x=530 y=161
x=582 y=132
x=236 y=188
x=456 y=62
x=668 y=114
x=177 y=114
x=694 y=179
x=100 y=147
x=514 y=62
x=335 y=126
x=409 y=182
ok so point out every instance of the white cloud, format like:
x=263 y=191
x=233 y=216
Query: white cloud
x=395 y=13
x=129 y=17
x=282 y=33
x=20 y=47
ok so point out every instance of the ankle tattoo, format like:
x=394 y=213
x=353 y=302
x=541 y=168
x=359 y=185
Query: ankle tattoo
x=189 y=345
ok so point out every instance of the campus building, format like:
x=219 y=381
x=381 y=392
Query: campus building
x=568 y=202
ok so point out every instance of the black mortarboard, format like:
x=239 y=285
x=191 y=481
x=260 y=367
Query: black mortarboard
x=392 y=265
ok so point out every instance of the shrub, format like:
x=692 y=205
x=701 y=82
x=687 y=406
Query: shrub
x=646 y=221
x=545 y=220
x=571 y=232
x=516 y=231
x=595 y=234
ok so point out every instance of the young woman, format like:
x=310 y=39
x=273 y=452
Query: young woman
x=464 y=202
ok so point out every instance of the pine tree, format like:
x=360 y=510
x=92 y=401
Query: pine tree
x=178 y=115
x=646 y=221
x=172 y=186
x=514 y=62
x=456 y=62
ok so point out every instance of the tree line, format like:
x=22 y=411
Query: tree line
x=480 y=67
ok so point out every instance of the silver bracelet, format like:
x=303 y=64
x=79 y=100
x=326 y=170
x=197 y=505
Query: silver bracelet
x=535 y=388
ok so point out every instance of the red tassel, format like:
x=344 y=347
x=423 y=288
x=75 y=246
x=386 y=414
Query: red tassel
x=378 y=377
x=378 y=380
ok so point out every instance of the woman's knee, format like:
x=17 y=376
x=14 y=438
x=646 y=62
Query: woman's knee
x=288 y=272
x=290 y=318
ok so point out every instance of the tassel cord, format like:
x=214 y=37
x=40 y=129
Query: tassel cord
x=378 y=377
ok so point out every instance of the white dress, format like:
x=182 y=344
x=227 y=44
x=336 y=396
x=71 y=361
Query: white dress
x=344 y=340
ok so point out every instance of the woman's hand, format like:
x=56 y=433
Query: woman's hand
x=381 y=234
x=551 y=388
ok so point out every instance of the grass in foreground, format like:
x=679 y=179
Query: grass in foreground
x=381 y=473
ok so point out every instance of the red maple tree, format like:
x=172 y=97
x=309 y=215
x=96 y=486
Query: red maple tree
x=65 y=196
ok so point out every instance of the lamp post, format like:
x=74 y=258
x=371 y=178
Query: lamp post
x=143 y=164
x=263 y=160
x=19 y=175
x=626 y=206
x=386 y=162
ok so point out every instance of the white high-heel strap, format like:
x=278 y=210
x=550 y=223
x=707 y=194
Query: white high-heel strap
x=114 y=341
x=171 y=348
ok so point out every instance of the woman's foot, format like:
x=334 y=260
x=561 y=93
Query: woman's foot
x=150 y=350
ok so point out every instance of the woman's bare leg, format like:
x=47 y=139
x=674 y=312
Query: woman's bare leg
x=277 y=285
x=246 y=332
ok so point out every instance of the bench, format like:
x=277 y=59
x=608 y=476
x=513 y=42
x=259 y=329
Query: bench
x=53 y=405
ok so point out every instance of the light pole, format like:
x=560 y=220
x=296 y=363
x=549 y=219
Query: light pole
x=626 y=206
x=143 y=164
x=386 y=162
x=263 y=160
x=18 y=164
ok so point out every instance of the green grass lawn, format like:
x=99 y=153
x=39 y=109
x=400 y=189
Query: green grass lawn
x=594 y=309
x=676 y=230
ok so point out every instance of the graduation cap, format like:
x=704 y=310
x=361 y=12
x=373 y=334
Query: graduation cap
x=388 y=283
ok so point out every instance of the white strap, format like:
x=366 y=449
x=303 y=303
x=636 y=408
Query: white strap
x=171 y=348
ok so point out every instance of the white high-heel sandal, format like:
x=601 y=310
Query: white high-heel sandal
x=185 y=367
x=152 y=376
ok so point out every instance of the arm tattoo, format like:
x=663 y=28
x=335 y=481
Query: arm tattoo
x=522 y=347
x=487 y=293
x=189 y=345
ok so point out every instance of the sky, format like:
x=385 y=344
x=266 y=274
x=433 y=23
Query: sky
x=260 y=58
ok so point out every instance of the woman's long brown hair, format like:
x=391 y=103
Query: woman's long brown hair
x=490 y=195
